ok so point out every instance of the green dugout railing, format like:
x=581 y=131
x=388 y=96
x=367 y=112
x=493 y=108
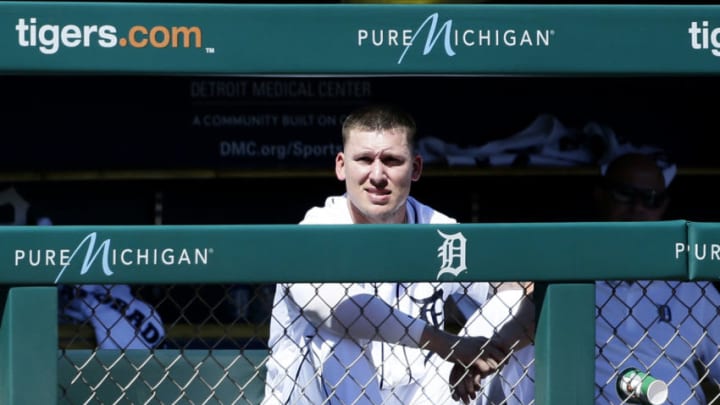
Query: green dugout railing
x=565 y=257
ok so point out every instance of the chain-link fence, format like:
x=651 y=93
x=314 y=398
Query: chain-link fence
x=209 y=347
x=212 y=344
x=668 y=329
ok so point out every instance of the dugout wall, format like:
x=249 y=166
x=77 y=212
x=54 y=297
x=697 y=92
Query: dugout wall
x=156 y=41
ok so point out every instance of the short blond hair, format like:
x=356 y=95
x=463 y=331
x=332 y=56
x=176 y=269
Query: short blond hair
x=380 y=117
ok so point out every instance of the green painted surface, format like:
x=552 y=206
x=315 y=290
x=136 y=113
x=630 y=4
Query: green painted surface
x=565 y=345
x=187 y=377
x=28 y=346
x=98 y=37
x=268 y=253
x=702 y=251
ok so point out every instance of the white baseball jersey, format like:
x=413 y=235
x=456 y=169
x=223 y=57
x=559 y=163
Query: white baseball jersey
x=327 y=340
x=120 y=320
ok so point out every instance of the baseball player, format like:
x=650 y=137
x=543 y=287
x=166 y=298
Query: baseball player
x=372 y=343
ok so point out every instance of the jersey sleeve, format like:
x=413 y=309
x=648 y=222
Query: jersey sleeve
x=349 y=309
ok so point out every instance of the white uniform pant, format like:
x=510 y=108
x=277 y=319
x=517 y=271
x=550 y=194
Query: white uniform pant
x=341 y=372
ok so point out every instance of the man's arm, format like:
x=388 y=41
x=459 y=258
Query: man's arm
x=349 y=310
x=508 y=317
x=475 y=352
x=508 y=320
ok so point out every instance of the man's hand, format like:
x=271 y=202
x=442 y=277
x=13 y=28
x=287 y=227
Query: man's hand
x=465 y=377
x=465 y=350
x=477 y=352
x=464 y=383
x=475 y=358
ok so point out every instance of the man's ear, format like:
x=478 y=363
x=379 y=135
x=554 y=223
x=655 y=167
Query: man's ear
x=417 y=167
x=340 y=166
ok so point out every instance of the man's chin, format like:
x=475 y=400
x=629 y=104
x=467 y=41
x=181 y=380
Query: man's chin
x=381 y=213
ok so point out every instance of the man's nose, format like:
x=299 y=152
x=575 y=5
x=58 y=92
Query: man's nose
x=377 y=171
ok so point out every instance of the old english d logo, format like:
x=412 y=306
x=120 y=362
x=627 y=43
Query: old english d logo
x=452 y=254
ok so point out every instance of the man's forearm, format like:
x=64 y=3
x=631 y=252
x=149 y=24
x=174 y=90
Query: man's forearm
x=508 y=317
x=519 y=331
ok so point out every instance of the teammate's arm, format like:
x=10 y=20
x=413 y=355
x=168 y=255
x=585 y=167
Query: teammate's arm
x=508 y=320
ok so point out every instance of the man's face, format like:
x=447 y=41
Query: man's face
x=378 y=168
x=635 y=193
